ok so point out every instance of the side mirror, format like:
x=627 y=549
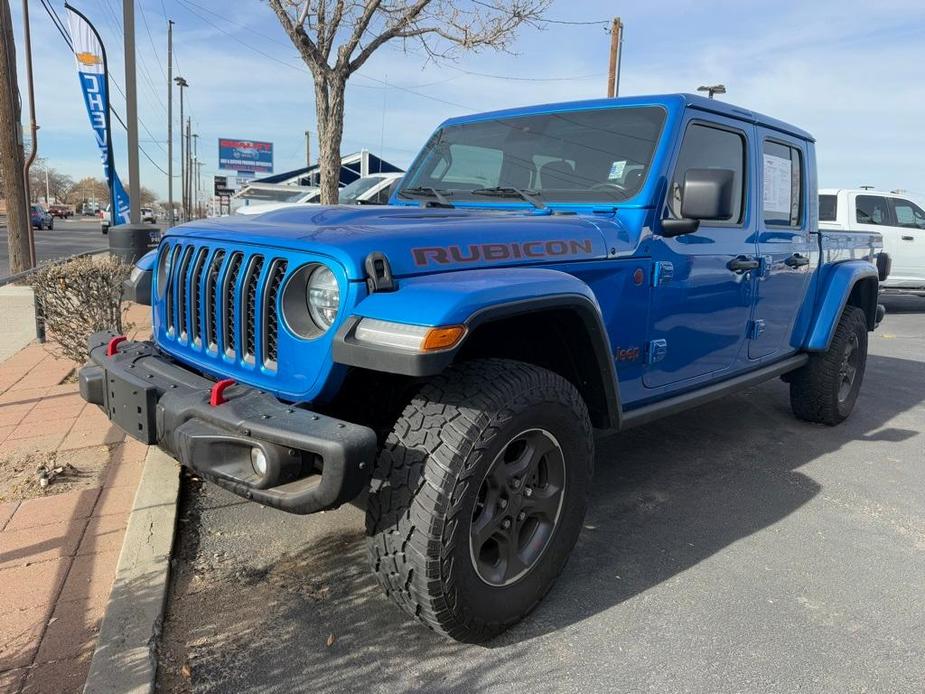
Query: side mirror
x=707 y=195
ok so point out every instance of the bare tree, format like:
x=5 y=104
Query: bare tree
x=336 y=37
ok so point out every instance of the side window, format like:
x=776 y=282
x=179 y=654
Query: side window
x=707 y=147
x=872 y=209
x=828 y=208
x=782 y=184
x=908 y=214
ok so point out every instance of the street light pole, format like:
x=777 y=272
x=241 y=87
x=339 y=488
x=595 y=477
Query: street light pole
x=170 y=213
x=131 y=115
x=33 y=125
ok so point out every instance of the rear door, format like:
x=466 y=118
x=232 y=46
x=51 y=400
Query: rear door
x=909 y=242
x=785 y=249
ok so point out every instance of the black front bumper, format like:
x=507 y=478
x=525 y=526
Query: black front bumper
x=313 y=462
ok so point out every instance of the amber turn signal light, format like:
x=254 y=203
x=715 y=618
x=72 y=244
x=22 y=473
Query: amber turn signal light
x=442 y=338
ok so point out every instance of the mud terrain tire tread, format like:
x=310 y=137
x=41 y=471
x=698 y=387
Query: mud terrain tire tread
x=427 y=464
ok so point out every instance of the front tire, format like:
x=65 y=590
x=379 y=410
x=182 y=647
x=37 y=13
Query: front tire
x=825 y=390
x=479 y=495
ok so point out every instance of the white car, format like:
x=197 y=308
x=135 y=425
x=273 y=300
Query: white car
x=148 y=215
x=375 y=189
x=894 y=216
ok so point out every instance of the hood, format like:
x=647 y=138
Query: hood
x=415 y=240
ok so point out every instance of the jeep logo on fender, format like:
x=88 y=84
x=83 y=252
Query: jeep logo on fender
x=493 y=252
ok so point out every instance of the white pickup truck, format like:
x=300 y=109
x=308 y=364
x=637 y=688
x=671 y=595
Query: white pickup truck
x=898 y=219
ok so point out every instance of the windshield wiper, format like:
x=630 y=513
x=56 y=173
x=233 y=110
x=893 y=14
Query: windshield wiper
x=425 y=192
x=507 y=191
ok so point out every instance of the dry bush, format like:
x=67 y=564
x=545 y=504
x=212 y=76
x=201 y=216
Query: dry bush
x=80 y=297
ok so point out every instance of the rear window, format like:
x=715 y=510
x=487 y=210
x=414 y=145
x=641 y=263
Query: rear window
x=828 y=208
x=872 y=209
x=782 y=181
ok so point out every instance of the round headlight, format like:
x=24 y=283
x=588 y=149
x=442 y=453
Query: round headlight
x=323 y=297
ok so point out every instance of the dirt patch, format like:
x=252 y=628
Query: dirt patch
x=64 y=471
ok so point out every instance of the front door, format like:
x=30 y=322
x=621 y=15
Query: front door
x=701 y=303
x=785 y=246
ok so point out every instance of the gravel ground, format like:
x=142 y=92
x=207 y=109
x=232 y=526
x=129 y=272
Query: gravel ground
x=727 y=549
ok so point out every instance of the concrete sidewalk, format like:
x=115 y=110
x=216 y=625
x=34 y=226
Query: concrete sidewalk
x=58 y=552
x=17 y=316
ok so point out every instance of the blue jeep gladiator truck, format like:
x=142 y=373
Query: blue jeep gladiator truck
x=541 y=273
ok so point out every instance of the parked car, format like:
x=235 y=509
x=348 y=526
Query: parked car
x=60 y=211
x=148 y=215
x=375 y=189
x=541 y=272
x=257 y=195
x=41 y=219
x=105 y=219
x=896 y=217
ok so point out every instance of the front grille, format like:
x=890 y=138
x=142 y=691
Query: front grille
x=224 y=303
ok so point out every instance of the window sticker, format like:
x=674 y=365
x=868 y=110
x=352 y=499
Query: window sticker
x=616 y=170
x=777 y=184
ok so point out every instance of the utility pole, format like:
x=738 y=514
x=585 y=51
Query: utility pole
x=131 y=115
x=33 y=125
x=182 y=84
x=616 y=51
x=18 y=218
x=189 y=169
x=170 y=212
x=308 y=149
x=195 y=186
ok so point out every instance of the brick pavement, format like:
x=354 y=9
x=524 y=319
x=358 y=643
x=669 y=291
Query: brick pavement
x=58 y=553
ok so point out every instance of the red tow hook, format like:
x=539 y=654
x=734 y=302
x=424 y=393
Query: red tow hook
x=113 y=347
x=217 y=396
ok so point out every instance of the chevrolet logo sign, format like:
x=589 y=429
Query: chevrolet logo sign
x=88 y=59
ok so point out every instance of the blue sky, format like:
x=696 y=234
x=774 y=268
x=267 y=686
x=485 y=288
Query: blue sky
x=849 y=72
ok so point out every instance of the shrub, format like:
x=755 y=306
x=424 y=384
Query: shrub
x=80 y=297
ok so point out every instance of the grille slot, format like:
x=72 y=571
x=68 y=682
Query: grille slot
x=169 y=301
x=248 y=324
x=182 y=297
x=230 y=303
x=270 y=314
x=195 y=327
x=225 y=303
x=212 y=311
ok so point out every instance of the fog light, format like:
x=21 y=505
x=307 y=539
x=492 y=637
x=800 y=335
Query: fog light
x=259 y=461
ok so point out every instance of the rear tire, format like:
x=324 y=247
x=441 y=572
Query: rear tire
x=825 y=390
x=479 y=495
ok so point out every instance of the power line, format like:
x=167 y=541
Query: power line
x=528 y=79
x=144 y=19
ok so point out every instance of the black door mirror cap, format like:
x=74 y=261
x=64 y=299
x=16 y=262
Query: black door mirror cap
x=708 y=194
x=678 y=227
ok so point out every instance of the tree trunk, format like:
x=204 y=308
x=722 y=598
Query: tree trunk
x=18 y=219
x=329 y=109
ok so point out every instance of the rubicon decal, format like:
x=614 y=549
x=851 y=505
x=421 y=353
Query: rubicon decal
x=497 y=252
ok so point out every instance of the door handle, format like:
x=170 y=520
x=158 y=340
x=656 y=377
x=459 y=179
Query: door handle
x=743 y=263
x=796 y=260
x=908 y=238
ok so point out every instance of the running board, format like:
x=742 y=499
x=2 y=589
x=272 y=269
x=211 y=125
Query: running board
x=679 y=403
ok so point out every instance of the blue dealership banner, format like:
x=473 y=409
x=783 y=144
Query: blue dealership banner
x=94 y=83
x=245 y=155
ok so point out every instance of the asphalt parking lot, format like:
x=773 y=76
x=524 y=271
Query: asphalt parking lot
x=70 y=236
x=727 y=549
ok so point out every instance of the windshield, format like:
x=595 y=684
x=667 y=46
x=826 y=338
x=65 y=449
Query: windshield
x=267 y=195
x=353 y=191
x=601 y=155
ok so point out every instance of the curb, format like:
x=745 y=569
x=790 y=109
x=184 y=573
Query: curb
x=125 y=660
